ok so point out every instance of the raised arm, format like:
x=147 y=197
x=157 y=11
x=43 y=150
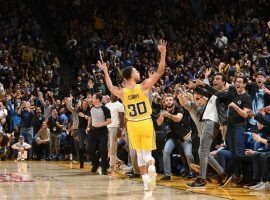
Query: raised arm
x=148 y=83
x=113 y=89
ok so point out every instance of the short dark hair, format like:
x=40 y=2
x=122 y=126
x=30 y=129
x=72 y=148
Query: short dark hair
x=126 y=72
x=98 y=96
x=186 y=80
x=245 y=80
x=222 y=76
x=54 y=108
x=113 y=98
x=168 y=95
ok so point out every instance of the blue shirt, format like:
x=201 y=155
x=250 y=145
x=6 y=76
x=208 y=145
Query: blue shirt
x=257 y=104
x=64 y=118
x=26 y=119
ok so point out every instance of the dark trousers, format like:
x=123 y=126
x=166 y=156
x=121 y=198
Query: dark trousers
x=245 y=162
x=236 y=139
x=98 y=148
x=261 y=165
x=42 y=150
x=223 y=157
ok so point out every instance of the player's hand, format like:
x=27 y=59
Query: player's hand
x=162 y=46
x=268 y=23
x=102 y=66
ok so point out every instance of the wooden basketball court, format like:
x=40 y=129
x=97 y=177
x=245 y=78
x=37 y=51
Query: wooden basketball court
x=64 y=180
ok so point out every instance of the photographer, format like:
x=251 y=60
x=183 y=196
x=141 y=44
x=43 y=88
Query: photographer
x=26 y=129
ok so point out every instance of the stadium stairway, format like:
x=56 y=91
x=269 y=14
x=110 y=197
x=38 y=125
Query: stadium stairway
x=54 y=44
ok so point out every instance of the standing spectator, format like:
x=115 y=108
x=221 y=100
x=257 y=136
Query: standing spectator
x=232 y=69
x=56 y=126
x=237 y=116
x=117 y=116
x=100 y=117
x=260 y=94
x=48 y=104
x=27 y=55
x=221 y=41
x=210 y=125
x=83 y=114
x=179 y=133
x=26 y=128
x=38 y=119
x=74 y=123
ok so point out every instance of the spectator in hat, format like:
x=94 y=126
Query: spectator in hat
x=20 y=149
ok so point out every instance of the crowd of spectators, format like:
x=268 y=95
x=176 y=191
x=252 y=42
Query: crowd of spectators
x=204 y=38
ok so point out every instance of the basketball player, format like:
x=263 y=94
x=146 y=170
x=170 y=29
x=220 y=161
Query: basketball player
x=138 y=113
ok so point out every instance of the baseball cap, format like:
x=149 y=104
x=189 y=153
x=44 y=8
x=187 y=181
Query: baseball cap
x=21 y=137
x=262 y=73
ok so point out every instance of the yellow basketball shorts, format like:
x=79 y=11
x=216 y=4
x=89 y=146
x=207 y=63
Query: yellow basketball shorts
x=141 y=135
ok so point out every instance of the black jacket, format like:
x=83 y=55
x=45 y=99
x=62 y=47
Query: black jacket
x=224 y=98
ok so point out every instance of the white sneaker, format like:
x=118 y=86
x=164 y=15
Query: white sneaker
x=152 y=177
x=265 y=186
x=127 y=169
x=19 y=156
x=256 y=186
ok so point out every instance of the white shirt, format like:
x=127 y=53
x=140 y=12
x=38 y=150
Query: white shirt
x=19 y=145
x=221 y=42
x=210 y=112
x=3 y=112
x=115 y=108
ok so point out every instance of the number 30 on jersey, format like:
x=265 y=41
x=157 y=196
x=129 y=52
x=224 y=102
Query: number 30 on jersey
x=137 y=109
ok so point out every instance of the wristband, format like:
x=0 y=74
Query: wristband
x=260 y=139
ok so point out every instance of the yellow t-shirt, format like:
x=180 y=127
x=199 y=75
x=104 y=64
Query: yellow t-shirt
x=137 y=105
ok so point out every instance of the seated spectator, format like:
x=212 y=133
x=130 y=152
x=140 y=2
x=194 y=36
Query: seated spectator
x=21 y=149
x=43 y=141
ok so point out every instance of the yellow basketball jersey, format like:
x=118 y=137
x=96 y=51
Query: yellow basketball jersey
x=136 y=104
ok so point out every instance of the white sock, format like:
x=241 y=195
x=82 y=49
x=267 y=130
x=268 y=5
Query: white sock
x=145 y=176
x=151 y=168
